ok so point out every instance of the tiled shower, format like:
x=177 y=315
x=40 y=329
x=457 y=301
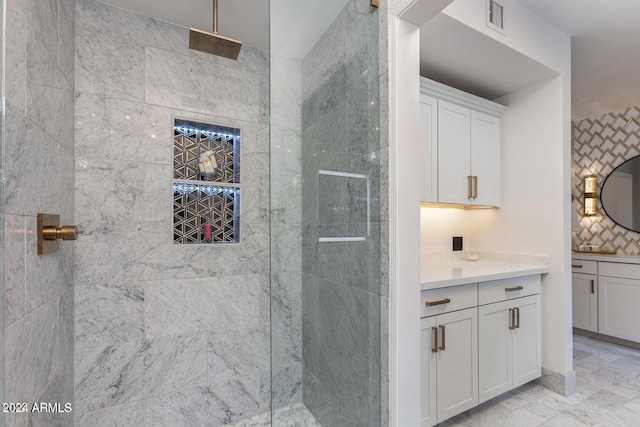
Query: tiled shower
x=135 y=329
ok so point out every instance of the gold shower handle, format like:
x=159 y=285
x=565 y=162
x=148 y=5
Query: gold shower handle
x=49 y=233
x=66 y=232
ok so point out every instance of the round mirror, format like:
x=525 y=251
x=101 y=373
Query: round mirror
x=620 y=194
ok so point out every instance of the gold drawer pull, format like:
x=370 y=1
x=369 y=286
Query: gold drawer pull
x=517 y=310
x=593 y=286
x=442 y=301
x=469 y=187
x=442 y=346
x=576 y=266
x=515 y=288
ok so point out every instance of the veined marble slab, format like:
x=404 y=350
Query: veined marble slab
x=442 y=272
x=607 y=258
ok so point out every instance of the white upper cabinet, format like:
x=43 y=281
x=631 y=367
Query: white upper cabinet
x=429 y=148
x=454 y=136
x=464 y=134
x=485 y=159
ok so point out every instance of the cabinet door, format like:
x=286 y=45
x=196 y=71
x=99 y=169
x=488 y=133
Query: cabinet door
x=427 y=372
x=428 y=149
x=454 y=136
x=457 y=362
x=494 y=349
x=485 y=158
x=618 y=313
x=526 y=349
x=585 y=301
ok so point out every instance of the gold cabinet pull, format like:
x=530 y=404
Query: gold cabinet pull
x=576 y=266
x=512 y=319
x=442 y=301
x=434 y=349
x=442 y=346
x=515 y=288
x=593 y=286
x=469 y=187
x=475 y=187
x=517 y=310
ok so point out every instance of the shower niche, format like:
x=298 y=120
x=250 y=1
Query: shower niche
x=206 y=183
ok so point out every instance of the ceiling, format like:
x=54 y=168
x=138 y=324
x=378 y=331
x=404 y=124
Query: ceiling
x=245 y=20
x=457 y=55
x=248 y=20
x=605 y=44
x=605 y=40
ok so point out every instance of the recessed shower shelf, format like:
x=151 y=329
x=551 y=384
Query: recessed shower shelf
x=210 y=183
x=206 y=210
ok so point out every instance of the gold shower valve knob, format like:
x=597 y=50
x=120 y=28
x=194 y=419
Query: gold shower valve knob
x=50 y=233
x=66 y=232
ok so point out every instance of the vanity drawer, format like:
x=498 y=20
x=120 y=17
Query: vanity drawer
x=459 y=297
x=584 y=267
x=616 y=269
x=506 y=289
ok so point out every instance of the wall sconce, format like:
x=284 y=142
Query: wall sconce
x=590 y=199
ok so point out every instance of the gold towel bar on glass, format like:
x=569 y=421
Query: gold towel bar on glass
x=442 y=301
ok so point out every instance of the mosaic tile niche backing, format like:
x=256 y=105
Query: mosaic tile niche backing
x=202 y=198
x=600 y=145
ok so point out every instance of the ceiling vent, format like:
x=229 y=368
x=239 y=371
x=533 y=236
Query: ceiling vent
x=495 y=16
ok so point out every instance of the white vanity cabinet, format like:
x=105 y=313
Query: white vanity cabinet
x=477 y=342
x=449 y=354
x=584 y=289
x=606 y=295
x=619 y=300
x=460 y=143
x=509 y=345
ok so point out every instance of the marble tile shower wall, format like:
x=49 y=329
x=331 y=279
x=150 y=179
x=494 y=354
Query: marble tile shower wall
x=286 y=231
x=165 y=335
x=345 y=284
x=38 y=299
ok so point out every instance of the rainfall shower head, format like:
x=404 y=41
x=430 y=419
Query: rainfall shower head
x=212 y=42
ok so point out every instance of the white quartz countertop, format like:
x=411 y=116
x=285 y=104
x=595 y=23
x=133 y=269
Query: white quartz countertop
x=442 y=273
x=628 y=259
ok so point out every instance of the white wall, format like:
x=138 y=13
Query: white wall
x=439 y=225
x=534 y=218
x=524 y=31
x=536 y=162
x=549 y=140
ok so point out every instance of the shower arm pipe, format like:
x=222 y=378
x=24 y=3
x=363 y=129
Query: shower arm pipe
x=215 y=16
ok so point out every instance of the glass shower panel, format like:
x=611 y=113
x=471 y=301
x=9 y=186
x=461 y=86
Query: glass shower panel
x=2 y=169
x=325 y=214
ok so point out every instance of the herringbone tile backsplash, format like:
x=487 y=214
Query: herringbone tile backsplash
x=601 y=144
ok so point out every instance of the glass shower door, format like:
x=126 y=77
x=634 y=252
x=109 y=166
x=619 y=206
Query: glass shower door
x=325 y=214
x=2 y=112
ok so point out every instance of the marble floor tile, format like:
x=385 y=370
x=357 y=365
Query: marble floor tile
x=608 y=394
